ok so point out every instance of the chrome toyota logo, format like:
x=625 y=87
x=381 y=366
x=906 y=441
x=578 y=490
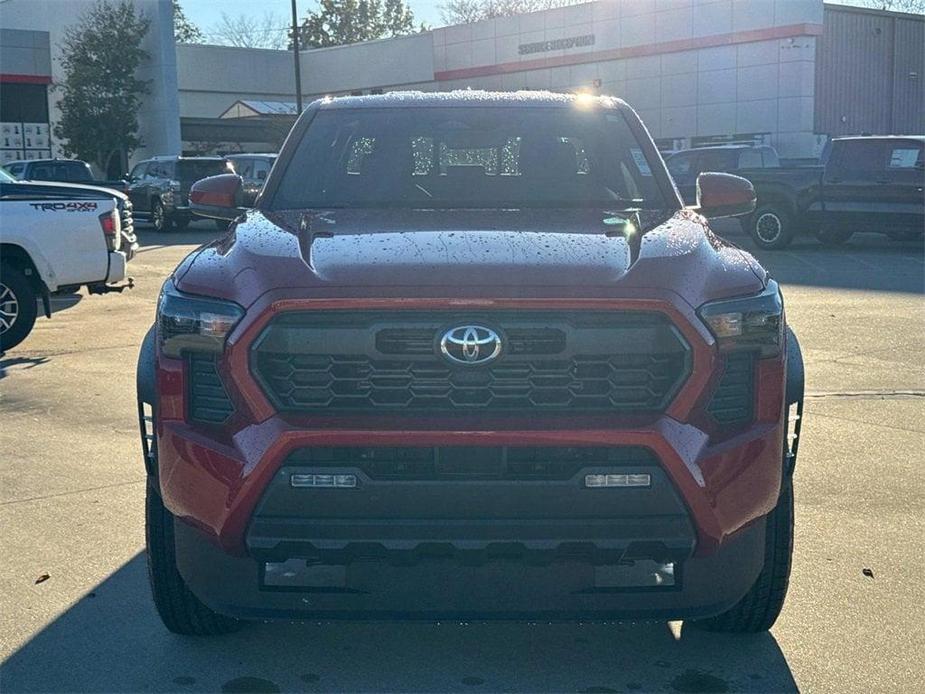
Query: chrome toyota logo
x=470 y=344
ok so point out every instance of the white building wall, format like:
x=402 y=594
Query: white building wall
x=648 y=52
x=212 y=78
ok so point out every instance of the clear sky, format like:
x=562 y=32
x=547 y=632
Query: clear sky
x=207 y=13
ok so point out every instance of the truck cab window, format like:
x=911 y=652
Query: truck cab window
x=750 y=159
x=905 y=157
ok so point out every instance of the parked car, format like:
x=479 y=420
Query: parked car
x=62 y=170
x=686 y=164
x=57 y=237
x=159 y=187
x=866 y=184
x=254 y=169
x=469 y=357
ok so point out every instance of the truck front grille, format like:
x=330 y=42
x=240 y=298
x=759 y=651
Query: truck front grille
x=590 y=362
x=126 y=221
x=472 y=462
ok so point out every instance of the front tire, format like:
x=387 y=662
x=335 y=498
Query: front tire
x=771 y=227
x=18 y=308
x=180 y=610
x=159 y=217
x=762 y=604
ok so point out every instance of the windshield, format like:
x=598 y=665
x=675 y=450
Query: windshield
x=192 y=170
x=5 y=177
x=468 y=157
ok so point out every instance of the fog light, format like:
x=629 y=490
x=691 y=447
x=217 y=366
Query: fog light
x=635 y=480
x=324 y=481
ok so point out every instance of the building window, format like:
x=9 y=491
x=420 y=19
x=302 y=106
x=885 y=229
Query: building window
x=24 y=103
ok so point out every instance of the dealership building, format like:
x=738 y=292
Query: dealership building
x=789 y=73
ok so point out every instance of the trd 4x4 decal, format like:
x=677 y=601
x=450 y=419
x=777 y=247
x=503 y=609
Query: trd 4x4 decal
x=64 y=206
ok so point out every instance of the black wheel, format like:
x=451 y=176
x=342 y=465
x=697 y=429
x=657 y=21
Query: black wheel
x=771 y=227
x=159 y=217
x=180 y=610
x=180 y=223
x=760 y=607
x=17 y=306
x=833 y=237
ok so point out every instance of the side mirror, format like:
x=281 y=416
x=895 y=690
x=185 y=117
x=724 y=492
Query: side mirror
x=217 y=197
x=724 y=195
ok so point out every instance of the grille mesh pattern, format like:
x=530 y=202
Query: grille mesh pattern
x=593 y=362
x=356 y=382
x=208 y=399
x=126 y=222
x=733 y=400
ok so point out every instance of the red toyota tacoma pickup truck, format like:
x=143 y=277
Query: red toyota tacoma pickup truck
x=469 y=356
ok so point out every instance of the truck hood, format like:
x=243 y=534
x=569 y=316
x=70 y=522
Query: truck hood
x=440 y=253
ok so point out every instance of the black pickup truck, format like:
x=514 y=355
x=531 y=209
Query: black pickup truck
x=61 y=170
x=865 y=184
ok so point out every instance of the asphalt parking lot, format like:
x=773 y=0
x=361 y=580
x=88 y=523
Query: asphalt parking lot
x=75 y=611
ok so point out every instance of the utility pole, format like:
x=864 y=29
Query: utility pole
x=295 y=57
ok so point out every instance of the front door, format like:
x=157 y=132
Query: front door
x=137 y=189
x=853 y=185
x=903 y=184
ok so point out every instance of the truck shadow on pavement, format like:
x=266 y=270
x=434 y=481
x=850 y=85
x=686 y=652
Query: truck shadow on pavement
x=197 y=233
x=111 y=640
x=6 y=363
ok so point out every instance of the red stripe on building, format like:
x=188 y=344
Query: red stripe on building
x=781 y=32
x=24 y=79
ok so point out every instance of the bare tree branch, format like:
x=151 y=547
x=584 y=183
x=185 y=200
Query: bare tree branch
x=245 y=31
x=911 y=6
x=467 y=11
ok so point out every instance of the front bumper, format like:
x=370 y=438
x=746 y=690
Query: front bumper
x=462 y=547
x=445 y=589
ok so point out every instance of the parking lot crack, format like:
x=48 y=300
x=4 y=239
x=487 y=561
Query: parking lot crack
x=71 y=492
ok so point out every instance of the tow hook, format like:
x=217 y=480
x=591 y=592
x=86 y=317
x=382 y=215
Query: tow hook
x=107 y=288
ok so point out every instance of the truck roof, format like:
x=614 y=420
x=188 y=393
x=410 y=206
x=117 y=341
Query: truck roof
x=43 y=161
x=471 y=97
x=918 y=138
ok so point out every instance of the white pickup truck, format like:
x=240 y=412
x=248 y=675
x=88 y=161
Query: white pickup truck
x=57 y=237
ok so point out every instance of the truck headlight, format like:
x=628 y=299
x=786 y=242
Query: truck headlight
x=752 y=323
x=187 y=323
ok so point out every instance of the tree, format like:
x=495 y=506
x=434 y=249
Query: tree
x=244 y=31
x=913 y=6
x=101 y=94
x=467 y=11
x=339 y=22
x=184 y=31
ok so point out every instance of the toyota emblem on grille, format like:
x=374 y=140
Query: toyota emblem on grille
x=471 y=344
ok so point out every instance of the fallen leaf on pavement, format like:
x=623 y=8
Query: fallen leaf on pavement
x=42 y=579
x=867 y=572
